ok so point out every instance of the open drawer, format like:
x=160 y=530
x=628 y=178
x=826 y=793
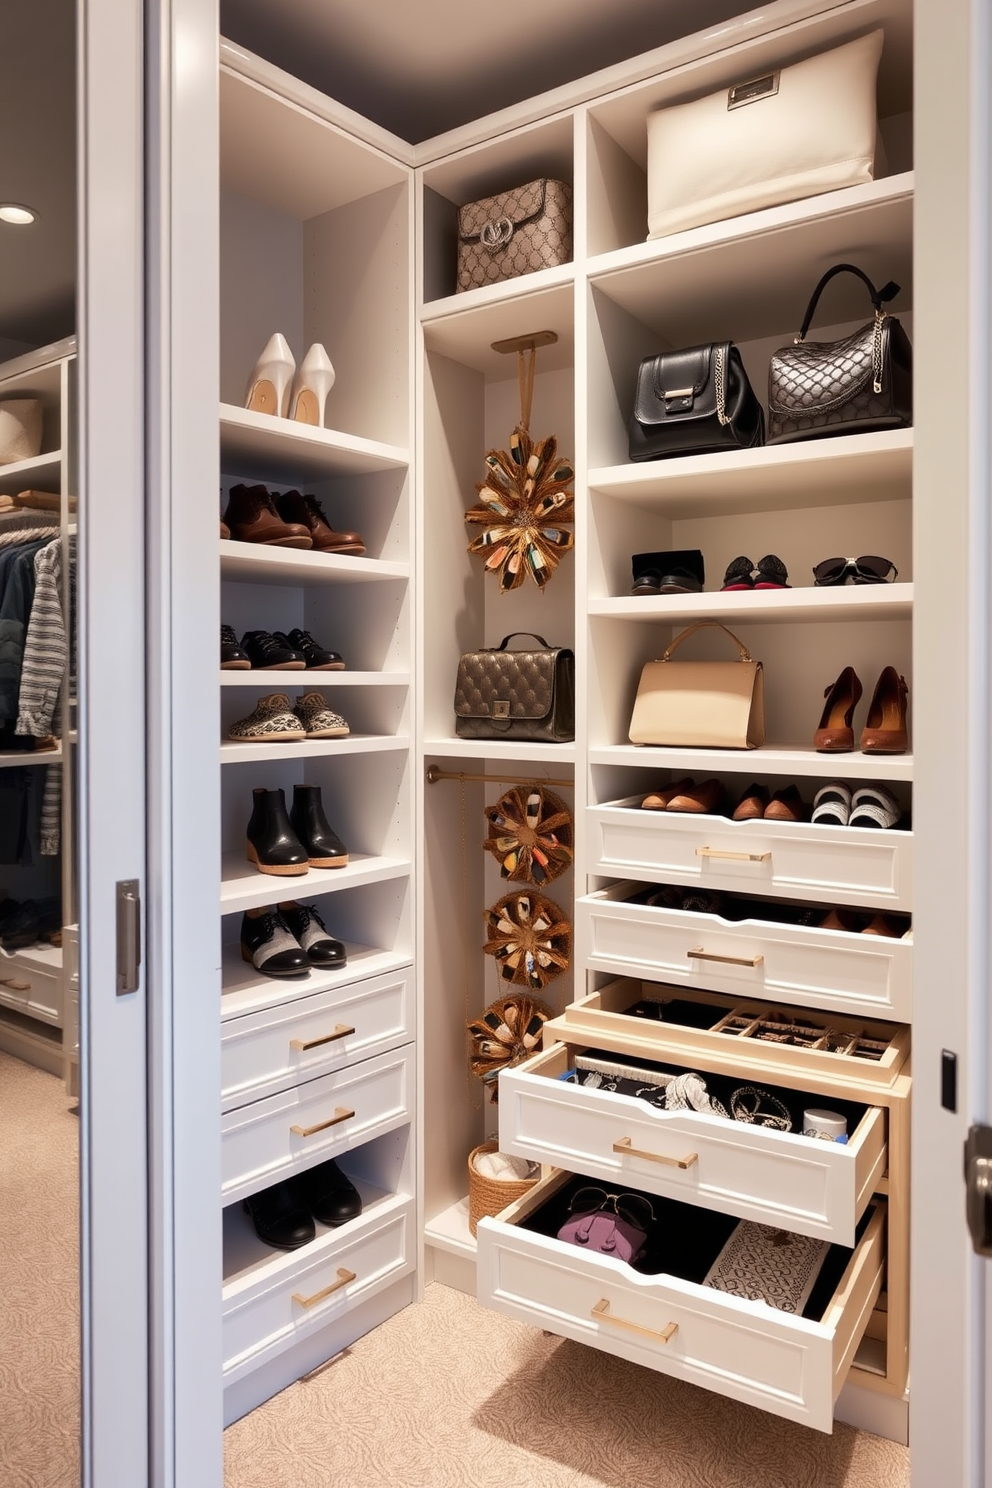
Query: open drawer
x=798 y=860
x=838 y=970
x=779 y=1178
x=792 y=1366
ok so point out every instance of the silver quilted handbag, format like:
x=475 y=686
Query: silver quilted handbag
x=862 y=382
x=503 y=694
x=514 y=233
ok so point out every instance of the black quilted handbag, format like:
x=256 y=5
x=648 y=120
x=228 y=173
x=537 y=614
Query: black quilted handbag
x=694 y=402
x=503 y=694
x=862 y=382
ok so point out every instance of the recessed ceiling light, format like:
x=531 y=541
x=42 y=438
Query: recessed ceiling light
x=11 y=212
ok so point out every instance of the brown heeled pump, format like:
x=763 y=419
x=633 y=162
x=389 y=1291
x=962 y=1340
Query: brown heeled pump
x=885 y=730
x=835 y=734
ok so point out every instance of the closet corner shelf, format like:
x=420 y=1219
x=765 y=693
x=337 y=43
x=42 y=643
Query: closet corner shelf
x=17 y=758
x=771 y=759
x=826 y=606
x=836 y=471
x=449 y=1231
x=518 y=752
x=245 y=990
x=466 y=326
x=42 y=473
x=259 y=446
x=257 y=563
x=234 y=753
x=276 y=681
x=44 y=957
x=243 y=887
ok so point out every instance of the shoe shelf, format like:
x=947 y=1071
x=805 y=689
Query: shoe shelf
x=41 y=473
x=234 y=753
x=818 y=472
x=868 y=602
x=245 y=990
x=495 y=749
x=18 y=758
x=244 y=887
x=770 y=759
x=270 y=448
x=276 y=681
x=470 y=322
x=449 y=1231
x=258 y=563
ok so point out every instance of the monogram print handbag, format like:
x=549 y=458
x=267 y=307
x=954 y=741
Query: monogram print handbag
x=515 y=233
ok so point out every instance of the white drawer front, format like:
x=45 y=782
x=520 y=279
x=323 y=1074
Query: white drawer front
x=799 y=860
x=754 y=1353
x=795 y=1182
x=272 y=1138
x=264 y=1314
x=29 y=990
x=308 y=1036
x=867 y=975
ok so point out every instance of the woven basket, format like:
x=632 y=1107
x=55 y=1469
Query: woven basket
x=489 y=1196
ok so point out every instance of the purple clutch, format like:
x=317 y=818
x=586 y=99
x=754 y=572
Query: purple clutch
x=604 y=1232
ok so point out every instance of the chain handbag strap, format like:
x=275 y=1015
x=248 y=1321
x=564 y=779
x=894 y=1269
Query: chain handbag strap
x=720 y=382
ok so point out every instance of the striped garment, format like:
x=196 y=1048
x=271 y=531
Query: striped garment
x=42 y=675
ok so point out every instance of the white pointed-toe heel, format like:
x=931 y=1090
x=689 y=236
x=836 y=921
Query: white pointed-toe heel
x=311 y=385
x=269 y=383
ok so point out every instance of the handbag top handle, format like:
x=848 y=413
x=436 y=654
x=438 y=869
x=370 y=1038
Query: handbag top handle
x=879 y=297
x=514 y=633
x=745 y=654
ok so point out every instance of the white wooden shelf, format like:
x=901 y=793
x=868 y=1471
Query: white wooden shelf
x=836 y=471
x=497 y=749
x=248 y=1260
x=258 y=563
x=312 y=681
x=261 y=446
x=41 y=473
x=244 y=887
x=771 y=759
x=245 y=990
x=45 y=957
x=463 y=326
x=234 y=753
x=449 y=1231
x=16 y=759
x=825 y=606
x=750 y=277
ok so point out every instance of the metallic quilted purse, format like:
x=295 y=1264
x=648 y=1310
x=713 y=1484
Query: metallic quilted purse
x=862 y=382
x=514 y=233
x=503 y=694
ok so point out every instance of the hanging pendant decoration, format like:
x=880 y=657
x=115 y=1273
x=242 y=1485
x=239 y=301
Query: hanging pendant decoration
x=530 y=834
x=508 y=1032
x=526 y=495
x=530 y=939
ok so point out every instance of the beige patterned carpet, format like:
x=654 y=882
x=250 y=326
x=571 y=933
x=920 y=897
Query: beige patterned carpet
x=449 y=1395
x=39 y=1280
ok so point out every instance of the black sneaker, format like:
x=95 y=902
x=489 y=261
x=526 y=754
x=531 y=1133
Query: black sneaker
x=268 y=652
x=232 y=658
x=317 y=659
x=270 y=945
x=279 y=1217
x=303 y=922
x=328 y=1194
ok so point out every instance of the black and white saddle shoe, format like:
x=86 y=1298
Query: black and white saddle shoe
x=271 y=947
x=303 y=921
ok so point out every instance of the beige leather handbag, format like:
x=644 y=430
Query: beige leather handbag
x=700 y=704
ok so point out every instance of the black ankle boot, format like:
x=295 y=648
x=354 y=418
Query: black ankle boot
x=273 y=846
x=323 y=847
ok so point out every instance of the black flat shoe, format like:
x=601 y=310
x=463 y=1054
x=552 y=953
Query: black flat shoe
x=280 y=1219
x=322 y=845
x=771 y=573
x=329 y=1195
x=678 y=571
x=232 y=657
x=739 y=575
x=267 y=652
x=304 y=923
x=317 y=658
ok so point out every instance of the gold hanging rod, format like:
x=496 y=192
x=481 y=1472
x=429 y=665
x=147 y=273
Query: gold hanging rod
x=435 y=773
x=525 y=343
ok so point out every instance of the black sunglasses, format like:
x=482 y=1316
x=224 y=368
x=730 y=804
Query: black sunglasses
x=866 y=570
x=632 y=1207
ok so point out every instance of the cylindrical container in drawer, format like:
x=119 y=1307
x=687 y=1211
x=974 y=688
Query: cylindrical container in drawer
x=793 y=1366
x=296 y=1040
x=838 y=970
x=272 y=1299
x=290 y=1131
x=797 y=860
x=773 y=1177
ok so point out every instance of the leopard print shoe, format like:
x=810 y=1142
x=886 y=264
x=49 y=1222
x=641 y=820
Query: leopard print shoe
x=319 y=721
x=273 y=721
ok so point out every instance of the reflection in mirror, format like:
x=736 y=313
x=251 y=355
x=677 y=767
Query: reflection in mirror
x=39 y=1046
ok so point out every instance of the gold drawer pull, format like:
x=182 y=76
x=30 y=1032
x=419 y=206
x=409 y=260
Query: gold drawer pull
x=14 y=984
x=698 y=954
x=341 y=1031
x=601 y=1312
x=734 y=857
x=344 y=1277
x=625 y=1145
x=340 y=1114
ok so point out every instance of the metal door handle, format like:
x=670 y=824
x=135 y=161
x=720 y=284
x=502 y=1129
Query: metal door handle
x=624 y=1145
x=733 y=857
x=340 y=1114
x=344 y=1277
x=128 y=935
x=601 y=1312
x=698 y=954
x=341 y=1031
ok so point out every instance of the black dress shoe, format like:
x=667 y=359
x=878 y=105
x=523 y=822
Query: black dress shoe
x=273 y=846
x=304 y=923
x=323 y=847
x=270 y=945
x=330 y=1197
x=675 y=571
x=267 y=652
x=280 y=1219
x=232 y=658
x=318 y=659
